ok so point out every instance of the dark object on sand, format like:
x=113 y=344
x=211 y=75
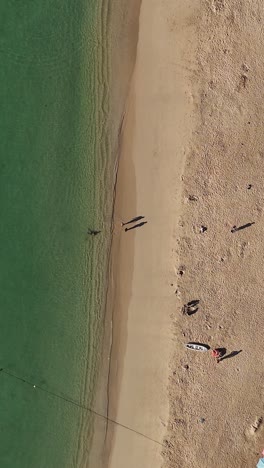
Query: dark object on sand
x=230 y=355
x=203 y=229
x=249 y=186
x=235 y=228
x=136 y=226
x=133 y=220
x=191 y=307
x=192 y=198
x=92 y=232
x=193 y=303
x=197 y=346
x=218 y=353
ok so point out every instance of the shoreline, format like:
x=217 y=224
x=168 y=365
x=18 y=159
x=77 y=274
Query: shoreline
x=123 y=36
x=190 y=128
x=141 y=320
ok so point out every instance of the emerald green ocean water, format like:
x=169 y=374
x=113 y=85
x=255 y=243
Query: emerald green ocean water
x=56 y=181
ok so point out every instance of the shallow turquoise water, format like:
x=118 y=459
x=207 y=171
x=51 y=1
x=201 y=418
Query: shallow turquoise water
x=55 y=183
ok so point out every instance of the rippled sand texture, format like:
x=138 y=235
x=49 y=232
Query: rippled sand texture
x=56 y=181
x=216 y=410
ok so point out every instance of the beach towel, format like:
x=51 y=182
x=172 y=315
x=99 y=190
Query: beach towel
x=260 y=463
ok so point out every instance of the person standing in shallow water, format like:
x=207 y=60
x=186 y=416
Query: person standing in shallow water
x=92 y=232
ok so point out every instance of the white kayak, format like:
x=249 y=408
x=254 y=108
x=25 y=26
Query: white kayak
x=197 y=347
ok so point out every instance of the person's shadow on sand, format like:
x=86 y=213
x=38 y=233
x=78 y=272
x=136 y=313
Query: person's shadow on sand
x=136 y=226
x=236 y=229
x=230 y=355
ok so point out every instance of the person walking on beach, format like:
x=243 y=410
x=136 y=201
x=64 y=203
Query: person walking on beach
x=218 y=353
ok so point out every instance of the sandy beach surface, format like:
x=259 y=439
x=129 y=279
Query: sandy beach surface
x=216 y=410
x=156 y=127
x=191 y=156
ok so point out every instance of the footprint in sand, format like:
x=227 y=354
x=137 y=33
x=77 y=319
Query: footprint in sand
x=256 y=425
x=217 y=5
x=226 y=256
x=243 y=249
x=242 y=82
x=245 y=67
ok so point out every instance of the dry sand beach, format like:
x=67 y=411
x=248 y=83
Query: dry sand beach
x=191 y=155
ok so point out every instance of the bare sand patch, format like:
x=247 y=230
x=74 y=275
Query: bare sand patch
x=216 y=410
x=156 y=128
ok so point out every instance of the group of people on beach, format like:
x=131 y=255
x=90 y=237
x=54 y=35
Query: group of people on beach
x=93 y=232
x=191 y=307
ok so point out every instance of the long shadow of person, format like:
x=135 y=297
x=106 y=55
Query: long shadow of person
x=136 y=226
x=236 y=229
x=133 y=220
x=230 y=355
